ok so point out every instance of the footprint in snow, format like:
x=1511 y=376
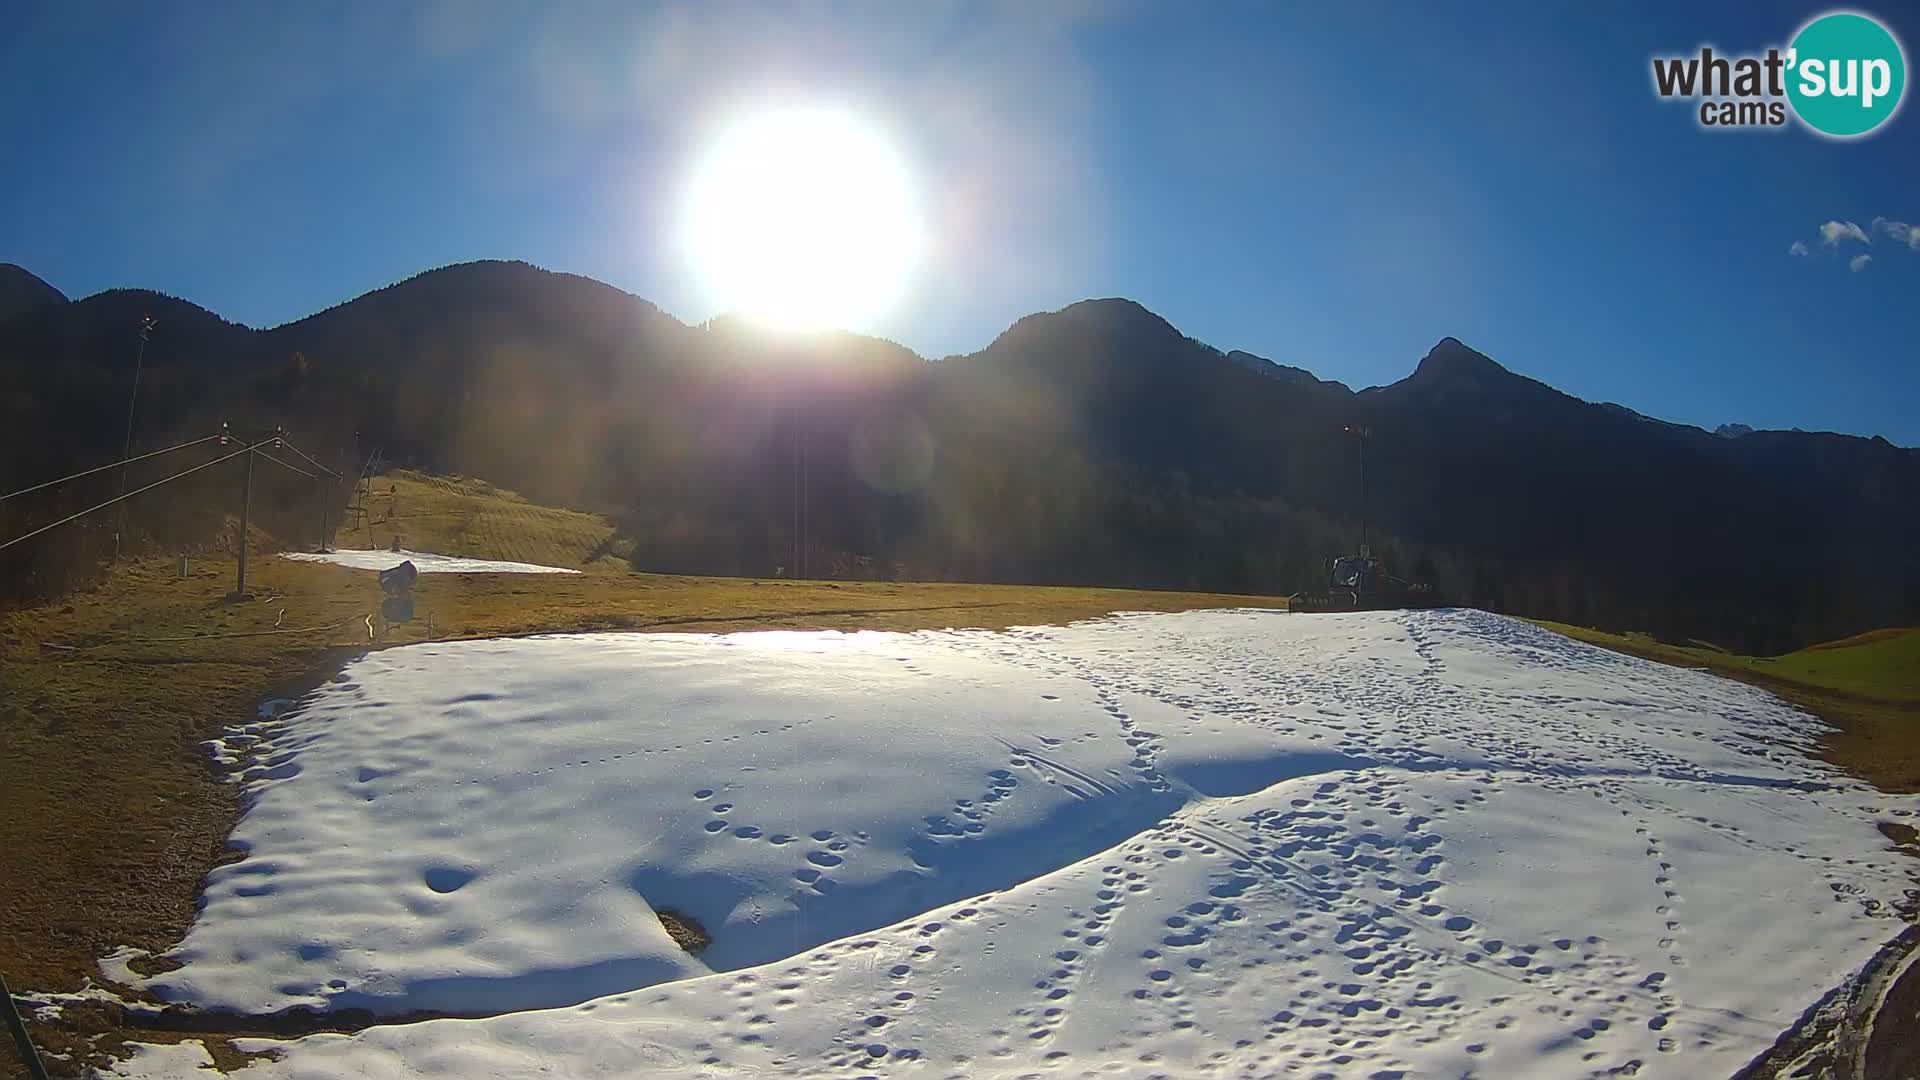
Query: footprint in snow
x=447 y=879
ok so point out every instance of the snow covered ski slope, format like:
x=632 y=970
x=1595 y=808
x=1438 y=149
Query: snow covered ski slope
x=424 y=561
x=1212 y=844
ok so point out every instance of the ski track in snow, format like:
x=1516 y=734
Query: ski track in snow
x=425 y=562
x=1238 y=844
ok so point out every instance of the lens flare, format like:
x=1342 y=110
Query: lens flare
x=802 y=218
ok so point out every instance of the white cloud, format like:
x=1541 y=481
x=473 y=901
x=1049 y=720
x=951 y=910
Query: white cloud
x=1797 y=248
x=1859 y=263
x=1835 y=231
x=1900 y=231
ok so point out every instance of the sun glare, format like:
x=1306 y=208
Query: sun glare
x=803 y=218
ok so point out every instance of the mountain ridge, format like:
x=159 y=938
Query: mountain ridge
x=22 y=290
x=1450 y=360
x=1096 y=444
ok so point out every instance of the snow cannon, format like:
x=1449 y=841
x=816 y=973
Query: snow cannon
x=399 y=580
x=397 y=583
x=1358 y=583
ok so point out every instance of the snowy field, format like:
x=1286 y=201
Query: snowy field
x=1231 y=843
x=424 y=561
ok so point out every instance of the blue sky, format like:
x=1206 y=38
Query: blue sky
x=1334 y=186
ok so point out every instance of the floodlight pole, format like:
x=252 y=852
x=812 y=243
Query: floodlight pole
x=798 y=546
x=246 y=506
x=805 y=524
x=1363 y=433
x=126 y=451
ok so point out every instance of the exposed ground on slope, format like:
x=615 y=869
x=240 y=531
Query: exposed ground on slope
x=1867 y=687
x=1893 y=1046
x=110 y=812
x=472 y=519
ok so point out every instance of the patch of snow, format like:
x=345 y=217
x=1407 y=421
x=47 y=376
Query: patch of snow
x=1233 y=843
x=166 y=1061
x=255 y=740
x=47 y=1006
x=114 y=965
x=424 y=561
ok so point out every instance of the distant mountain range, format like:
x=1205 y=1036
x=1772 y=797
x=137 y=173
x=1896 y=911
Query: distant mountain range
x=1095 y=444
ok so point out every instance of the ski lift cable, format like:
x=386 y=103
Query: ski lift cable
x=308 y=458
x=104 y=468
x=129 y=495
x=286 y=466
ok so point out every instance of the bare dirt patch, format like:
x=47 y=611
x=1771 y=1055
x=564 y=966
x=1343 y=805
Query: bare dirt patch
x=684 y=929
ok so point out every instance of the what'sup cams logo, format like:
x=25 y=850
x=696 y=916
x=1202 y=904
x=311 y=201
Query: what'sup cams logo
x=1843 y=76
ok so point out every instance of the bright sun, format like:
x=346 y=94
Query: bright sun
x=802 y=217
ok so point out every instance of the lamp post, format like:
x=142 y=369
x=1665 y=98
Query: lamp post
x=254 y=439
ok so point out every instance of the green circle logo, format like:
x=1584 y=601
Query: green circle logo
x=1846 y=74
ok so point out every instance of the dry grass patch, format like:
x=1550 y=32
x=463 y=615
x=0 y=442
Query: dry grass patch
x=1864 y=686
x=472 y=519
x=685 y=930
